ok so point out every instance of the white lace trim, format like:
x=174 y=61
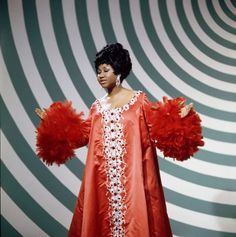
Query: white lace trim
x=101 y=106
x=114 y=150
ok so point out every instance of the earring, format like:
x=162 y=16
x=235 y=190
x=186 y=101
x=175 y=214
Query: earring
x=118 y=80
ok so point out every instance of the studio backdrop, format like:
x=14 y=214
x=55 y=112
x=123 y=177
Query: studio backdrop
x=178 y=48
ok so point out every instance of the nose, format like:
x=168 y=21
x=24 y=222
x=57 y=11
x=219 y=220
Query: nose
x=100 y=75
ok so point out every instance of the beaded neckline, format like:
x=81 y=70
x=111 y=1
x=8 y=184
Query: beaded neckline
x=125 y=107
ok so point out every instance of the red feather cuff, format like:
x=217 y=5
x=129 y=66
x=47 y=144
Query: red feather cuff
x=175 y=136
x=60 y=132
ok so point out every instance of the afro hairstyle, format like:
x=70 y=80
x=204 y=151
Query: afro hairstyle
x=115 y=56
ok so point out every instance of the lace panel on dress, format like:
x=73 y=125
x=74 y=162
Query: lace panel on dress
x=114 y=150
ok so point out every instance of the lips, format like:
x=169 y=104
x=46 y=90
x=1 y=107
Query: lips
x=102 y=81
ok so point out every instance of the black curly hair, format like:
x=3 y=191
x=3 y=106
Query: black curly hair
x=116 y=56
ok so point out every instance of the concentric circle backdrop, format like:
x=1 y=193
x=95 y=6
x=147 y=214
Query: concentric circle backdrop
x=178 y=48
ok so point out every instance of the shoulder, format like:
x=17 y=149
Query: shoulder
x=142 y=95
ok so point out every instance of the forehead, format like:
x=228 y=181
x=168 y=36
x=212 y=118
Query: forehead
x=104 y=66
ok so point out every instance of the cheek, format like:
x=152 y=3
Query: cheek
x=112 y=77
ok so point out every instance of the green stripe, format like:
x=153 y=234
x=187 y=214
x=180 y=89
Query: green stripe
x=20 y=84
x=111 y=38
x=38 y=51
x=108 y=34
x=7 y=229
x=76 y=166
x=32 y=162
x=173 y=66
x=85 y=33
x=105 y=19
x=210 y=33
x=218 y=20
x=201 y=206
x=14 y=67
x=208 y=30
x=186 y=230
x=227 y=11
x=219 y=136
x=28 y=205
x=157 y=78
x=233 y=2
x=67 y=53
x=199 y=44
x=197 y=178
x=215 y=158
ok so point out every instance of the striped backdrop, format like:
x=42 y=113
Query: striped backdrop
x=178 y=48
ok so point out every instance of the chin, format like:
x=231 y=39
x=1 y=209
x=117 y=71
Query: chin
x=103 y=86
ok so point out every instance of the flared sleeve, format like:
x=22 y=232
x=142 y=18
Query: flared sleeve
x=60 y=132
x=179 y=138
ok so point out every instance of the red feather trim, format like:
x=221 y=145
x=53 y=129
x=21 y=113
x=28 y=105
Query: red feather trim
x=60 y=132
x=175 y=136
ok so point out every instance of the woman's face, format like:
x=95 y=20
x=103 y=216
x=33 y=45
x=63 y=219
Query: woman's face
x=106 y=76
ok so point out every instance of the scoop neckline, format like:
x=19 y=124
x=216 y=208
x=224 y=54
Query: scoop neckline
x=125 y=106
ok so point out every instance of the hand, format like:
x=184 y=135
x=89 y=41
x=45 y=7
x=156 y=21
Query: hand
x=40 y=113
x=185 y=110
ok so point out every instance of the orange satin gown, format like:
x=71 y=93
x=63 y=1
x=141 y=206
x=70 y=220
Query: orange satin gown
x=121 y=194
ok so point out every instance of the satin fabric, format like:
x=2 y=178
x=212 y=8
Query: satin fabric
x=145 y=209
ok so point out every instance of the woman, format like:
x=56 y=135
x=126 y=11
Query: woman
x=121 y=193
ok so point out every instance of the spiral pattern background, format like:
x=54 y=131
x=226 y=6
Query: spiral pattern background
x=178 y=48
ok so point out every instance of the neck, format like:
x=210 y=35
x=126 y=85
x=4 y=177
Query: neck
x=114 y=90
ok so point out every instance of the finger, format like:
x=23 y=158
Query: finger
x=40 y=113
x=165 y=99
x=37 y=110
x=190 y=105
x=185 y=110
x=181 y=103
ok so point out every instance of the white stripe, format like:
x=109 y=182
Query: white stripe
x=197 y=191
x=191 y=47
x=54 y=56
x=170 y=48
x=78 y=48
x=32 y=186
x=230 y=6
x=206 y=39
x=137 y=68
x=81 y=153
x=27 y=129
x=221 y=13
x=206 y=168
x=216 y=147
x=24 y=52
x=172 y=78
x=140 y=73
x=95 y=24
x=211 y=22
x=201 y=220
x=218 y=125
x=96 y=29
x=152 y=87
x=219 y=147
x=18 y=219
x=25 y=125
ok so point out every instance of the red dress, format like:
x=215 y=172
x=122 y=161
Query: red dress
x=121 y=193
